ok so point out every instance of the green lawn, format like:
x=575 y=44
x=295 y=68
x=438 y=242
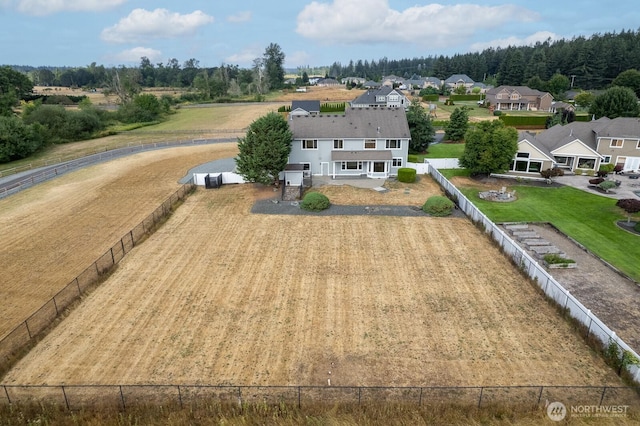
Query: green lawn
x=444 y=150
x=587 y=218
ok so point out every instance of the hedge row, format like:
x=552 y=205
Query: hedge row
x=477 y=97
x=515 y=120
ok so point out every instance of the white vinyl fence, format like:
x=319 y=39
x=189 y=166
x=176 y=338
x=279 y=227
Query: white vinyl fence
x=546 y=282
x=227 y=178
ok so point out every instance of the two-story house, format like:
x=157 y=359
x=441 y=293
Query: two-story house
x=459 y=80
x=581 y=145
x=367 y=142
x=518 y=98
x=384 y=96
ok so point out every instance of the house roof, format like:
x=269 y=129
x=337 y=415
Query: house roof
x=369 y=97
x=459 y=77
x=356 y=123
x=587 y=133
x=311 y=106
x=371 y=83
x=621 y=127
x=522 y=90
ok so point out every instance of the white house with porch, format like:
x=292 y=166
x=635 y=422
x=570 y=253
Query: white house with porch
x=362 y=142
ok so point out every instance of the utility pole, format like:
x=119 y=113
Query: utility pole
x=573 y=77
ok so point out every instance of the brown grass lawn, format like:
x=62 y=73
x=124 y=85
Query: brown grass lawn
x=221 y=296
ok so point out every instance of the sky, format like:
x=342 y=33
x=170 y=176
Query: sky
x=309 y=33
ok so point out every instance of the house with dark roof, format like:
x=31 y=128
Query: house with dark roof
x=305 y=107
x=384 y=96
x=367 y=142
x=518 y=98
x=326 y=82
x=580 y=145
x=459 y=80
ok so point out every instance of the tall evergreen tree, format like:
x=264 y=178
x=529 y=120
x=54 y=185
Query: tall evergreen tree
x=265 y=149
x=457 y=125
x=421 y=128
x=615 y=102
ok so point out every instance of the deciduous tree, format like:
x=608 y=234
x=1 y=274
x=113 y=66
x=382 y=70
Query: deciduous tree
x=615 y=102
x=265 y=149
x=489 y=148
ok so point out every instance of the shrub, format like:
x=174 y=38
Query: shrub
x=636 y=227
x=578 y=172
x=608 y=168
x=556 y=259
x=438 y=206
x=550 y=173
x=591 y=172
x=315 y=202
x=412 y=158
x=596 y=181
x=497 y=113
x=617 y=168
x=406 y=174
x=607 y=185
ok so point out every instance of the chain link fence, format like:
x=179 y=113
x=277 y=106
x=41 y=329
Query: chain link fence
x=22 y=335
x=74 y=397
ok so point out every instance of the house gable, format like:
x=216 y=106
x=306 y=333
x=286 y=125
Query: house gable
x=533 y=151
x=575 y=147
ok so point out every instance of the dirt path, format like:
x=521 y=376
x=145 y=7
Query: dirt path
x=221 y=296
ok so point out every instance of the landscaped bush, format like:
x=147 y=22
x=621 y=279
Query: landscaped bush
x=406 y=174
x=438 y=206
x=607 y=185
x=606 y=168
x=315 y=202
x=556 y=259
x=636 y=227
x=551 y=173
x=497 y=113
x=596 y=181
x=412 y=158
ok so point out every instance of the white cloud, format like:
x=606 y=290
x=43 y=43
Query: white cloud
x=134 y=55
x=143 y=25
x=48 y=7
x=298 y=58
x=434 y=25
x=240 y=17
x=540 y=36
x=245 y=57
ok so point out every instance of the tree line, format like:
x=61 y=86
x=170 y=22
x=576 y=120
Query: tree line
x=589 y=62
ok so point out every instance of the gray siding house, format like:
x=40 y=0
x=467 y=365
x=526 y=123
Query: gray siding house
x=384 y=96
x=364 y=142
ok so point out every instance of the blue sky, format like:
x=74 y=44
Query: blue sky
x=314 y=33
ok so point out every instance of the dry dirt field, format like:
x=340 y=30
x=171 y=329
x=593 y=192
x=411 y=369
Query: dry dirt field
x=221 y=296
x=55 y=230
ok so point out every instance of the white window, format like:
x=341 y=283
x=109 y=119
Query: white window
x=370 y=144
x=393 y=144
x=616 y=143
x=338 y=144
x=607 y=159
x=396 y=162
x=352 y=165
x=309 y=144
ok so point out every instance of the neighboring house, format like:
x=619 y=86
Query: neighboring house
x=305 y=108
x=391 y=80
x=458 y=80
x=518 y=98
x=352 y=80
x=434 y=82
x=370 y=84
x=483 y=87
x=371 y=142
x=580 y=145
x=385 y=96
x=326 y=82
